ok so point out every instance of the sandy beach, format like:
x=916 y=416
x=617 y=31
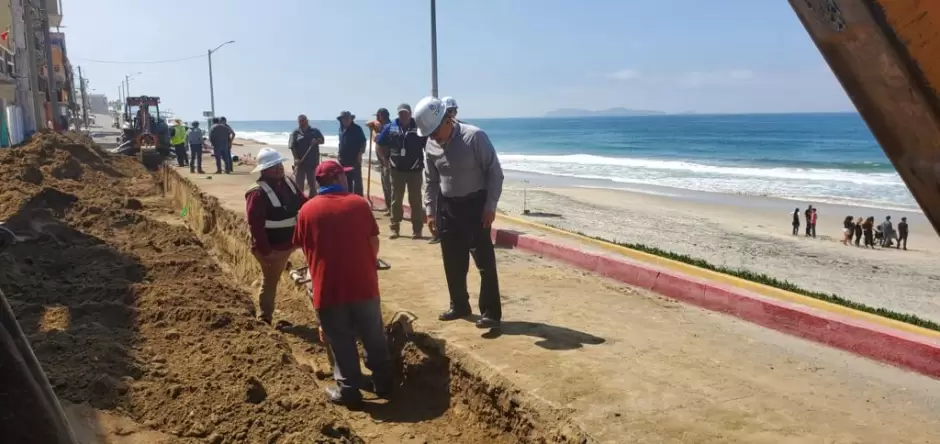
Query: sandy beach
x=751 y=233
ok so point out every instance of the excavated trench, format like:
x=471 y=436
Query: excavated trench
x=136 y=292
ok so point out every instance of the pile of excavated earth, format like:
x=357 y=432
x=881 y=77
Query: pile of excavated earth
x=131 y=315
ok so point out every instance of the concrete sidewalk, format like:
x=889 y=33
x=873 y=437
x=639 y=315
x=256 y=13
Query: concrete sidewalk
x=632 y=366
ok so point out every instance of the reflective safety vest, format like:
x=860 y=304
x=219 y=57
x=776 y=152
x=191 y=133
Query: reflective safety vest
x=179 y=135
x=281 y=212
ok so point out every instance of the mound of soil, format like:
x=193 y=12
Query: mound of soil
x=127 y=311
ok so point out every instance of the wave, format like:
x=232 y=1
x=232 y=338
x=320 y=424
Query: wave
x=577 y=164
x=280 y=138
x=875 y=189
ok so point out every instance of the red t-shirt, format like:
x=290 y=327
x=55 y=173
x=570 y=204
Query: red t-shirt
x=334 y=231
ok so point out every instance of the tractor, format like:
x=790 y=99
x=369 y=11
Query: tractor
x=144 y=129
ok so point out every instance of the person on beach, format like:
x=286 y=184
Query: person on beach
x=195 y=139
x=178 y=141
x=464 y=183
x=902 y=233
x=340 y=240
x=272 y=204
x=812 y=223
x=352 y=145
x=848 y=227
x=304 y=144
x=796 y=221
x=807 y=213
x=406 y=158
x=868 y=230
x=219 y=137
x=382 y=118
x=887 y=232
x=857 y=228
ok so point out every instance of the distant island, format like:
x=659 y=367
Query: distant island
x=611 y=112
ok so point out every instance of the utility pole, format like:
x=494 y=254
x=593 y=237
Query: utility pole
x=81 y=81
x=434 y=48
x=32 y=53
x=211 y=86
x=50 y=71
x=127 y=86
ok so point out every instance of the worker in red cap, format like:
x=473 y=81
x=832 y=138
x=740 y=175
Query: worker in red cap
x=272 y=205
x=340 y=240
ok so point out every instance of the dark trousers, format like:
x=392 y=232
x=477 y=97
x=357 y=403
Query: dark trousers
x=463 y=235
x=811 y=230
x=858 y=237
x=181 y=154
x=342 y=324
x=796 y=229
x=305 y=175
x=410 y=182
x=387 y=185
x=223 y=155
x=195 y=157
x=902 y=238
x=354 y=180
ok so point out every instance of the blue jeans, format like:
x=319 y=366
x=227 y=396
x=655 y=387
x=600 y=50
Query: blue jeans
x=223 y=153
x=195 y=157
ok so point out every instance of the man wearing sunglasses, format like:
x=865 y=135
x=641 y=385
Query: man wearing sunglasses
x=464 y=182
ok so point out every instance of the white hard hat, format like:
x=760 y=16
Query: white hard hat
x=429 y=113
x=267 y=158
x=449 y=102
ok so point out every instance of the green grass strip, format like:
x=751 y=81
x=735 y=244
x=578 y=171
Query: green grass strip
x=770 y=281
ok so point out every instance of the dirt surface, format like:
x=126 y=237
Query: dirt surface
x=130 y=314
x=631 y=366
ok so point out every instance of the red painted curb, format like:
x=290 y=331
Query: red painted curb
x=899 y=348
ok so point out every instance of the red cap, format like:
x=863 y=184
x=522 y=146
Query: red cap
x=330 y=169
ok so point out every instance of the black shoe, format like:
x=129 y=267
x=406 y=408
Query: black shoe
x=192 y=171
x=335 y=395
x=435 y=240
x=486 y=322
x=217 y=172
x=417 y=235
x=201 y=172
x=454 y=314
x=394 y=235
x=382 y=390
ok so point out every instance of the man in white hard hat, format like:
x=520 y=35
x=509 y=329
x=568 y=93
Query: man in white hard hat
x=451 y=104
x=272 y=206
x=464 y=182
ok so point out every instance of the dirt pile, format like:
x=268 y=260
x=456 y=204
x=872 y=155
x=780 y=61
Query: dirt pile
x=127 y=311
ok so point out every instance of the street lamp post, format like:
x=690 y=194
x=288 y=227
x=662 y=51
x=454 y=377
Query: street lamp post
x=211 y=84
x=127 y=81
x=434 y=48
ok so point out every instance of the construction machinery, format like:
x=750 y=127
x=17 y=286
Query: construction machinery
x=144 y=129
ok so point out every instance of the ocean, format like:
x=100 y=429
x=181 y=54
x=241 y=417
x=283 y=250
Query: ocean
x=829 y=158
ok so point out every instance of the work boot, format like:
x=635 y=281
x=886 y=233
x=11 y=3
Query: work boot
x=455 y=313
x=395 y=234
x=417 y=235
x=485 y=322
x=335 y=395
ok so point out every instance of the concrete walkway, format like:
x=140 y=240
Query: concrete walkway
x=632 y=366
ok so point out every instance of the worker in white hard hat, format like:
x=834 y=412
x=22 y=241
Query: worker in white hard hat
x=451 y=104
x=464 y=182
x=272 y=206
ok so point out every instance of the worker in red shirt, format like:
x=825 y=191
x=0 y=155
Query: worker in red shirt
x=340 y=239
x=272 y=206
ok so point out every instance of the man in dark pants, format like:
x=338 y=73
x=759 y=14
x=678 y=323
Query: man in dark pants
x=220 y=138
x=903 y=232
x=464 y=183
x=195 y=139
x=406 y=158
x=305 y=144
x=382 y=118
x=807 y=213
x=352 y=145
x=340 y=241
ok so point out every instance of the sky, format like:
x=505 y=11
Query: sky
x=498 y=58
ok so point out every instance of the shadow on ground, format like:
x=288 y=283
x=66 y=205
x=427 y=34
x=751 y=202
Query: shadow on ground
x=550 y=337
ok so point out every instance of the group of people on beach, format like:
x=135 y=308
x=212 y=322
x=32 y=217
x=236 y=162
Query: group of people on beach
x=883 y=234
x=333 y=225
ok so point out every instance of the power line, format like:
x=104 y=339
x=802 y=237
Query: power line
x=150 y=62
